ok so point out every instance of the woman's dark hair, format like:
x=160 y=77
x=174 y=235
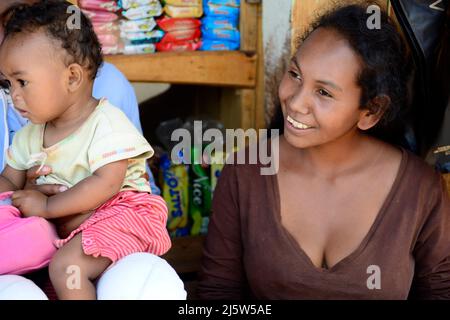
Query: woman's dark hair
x=59 y=20
x=384 y=58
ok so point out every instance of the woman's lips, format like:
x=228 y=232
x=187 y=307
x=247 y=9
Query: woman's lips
x=297 y=131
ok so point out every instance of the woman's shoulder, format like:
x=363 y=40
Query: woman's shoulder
x=419 y=169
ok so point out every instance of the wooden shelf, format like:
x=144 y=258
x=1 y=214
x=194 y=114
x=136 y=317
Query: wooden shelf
x=218 y=68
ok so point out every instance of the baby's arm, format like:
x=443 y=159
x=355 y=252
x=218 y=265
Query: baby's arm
x=89 y=193
x=86 y=195
x=12 y=179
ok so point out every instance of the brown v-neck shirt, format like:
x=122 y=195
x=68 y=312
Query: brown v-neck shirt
x=248 y=253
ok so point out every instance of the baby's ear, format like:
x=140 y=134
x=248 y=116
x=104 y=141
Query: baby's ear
x=373 y=112
x=75 y=77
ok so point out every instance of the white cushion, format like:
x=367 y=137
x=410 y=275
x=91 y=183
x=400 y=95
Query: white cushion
x=140 y=276
x=13 y=287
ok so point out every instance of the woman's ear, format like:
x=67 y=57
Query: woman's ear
x=75 y=78
x=373 y=112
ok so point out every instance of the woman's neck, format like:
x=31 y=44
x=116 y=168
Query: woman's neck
x=335 y=159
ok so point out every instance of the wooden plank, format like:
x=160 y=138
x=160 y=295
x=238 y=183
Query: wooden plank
x=220 y=68
x=185 y=254
x=249 y=26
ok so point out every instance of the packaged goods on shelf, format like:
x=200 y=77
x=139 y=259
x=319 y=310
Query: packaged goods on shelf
x=128 y=4
x=172 y=24
x=183 y=12
x=178 y=46
x=101 y=5
x=142 y=25
x=152 y=10
x=220 y=25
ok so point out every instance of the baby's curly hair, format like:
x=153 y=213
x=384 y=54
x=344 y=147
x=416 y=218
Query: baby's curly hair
x=80 y=43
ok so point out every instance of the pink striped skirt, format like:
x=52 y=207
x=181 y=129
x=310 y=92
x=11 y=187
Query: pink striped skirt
x=127 y=223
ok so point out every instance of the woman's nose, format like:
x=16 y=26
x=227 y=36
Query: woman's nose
x=300 y=101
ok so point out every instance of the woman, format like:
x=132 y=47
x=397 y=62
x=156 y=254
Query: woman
x=347 y=216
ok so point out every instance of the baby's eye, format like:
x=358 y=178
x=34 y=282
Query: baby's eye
x=22 y=83
x=294 y=75
x=325 y=93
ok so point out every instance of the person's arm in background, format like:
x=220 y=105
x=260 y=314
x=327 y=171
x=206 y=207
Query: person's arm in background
x=112 y=84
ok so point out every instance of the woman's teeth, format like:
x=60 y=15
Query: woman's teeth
x=296 y=124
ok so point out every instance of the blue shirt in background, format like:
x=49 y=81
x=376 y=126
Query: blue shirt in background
x=110 y=83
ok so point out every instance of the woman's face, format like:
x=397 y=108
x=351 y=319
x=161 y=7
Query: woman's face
x=319 y=94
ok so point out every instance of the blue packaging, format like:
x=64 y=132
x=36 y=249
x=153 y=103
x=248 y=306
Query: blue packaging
x=219 y=45
x=215 y=10
x=221 y=34
x=221 y=22
x=230 y=3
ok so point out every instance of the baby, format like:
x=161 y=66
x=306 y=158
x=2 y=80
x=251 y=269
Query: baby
x=108 y=210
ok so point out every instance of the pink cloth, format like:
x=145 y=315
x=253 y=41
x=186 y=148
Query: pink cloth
x=26 y=244
x=127 y=223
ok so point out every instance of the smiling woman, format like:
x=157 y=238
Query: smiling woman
x=320 y=227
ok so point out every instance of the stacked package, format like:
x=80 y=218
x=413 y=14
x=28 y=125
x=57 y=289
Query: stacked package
x=105 y=20
x=181 y=25
x=137 y=29
x=220 y=25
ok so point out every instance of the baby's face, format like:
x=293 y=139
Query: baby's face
x=37 y=75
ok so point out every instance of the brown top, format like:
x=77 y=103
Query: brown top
x=248 y=253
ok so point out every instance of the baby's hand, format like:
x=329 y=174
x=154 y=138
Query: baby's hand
x=30 y=203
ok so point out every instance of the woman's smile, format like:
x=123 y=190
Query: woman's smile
x=297 y=127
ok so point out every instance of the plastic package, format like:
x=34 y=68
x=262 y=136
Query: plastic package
x=176 y=193
x=127 y=4
x=178 y=46
x=100 y=16
x=215 y=10
x=183 y=12
x=218 y=45
x=101 y=5
x=229 y=3
x=139 y=48
x=108 y=39
x=184 y=3
x=152 y=10
x=222 y=22
x=181 y=35
x=143 y=25
x=143 y=37
x=221 y=34
x=172 y=24
x=105 y=27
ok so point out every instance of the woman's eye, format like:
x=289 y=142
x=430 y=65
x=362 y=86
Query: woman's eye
x=325 y=93
x=294 y=75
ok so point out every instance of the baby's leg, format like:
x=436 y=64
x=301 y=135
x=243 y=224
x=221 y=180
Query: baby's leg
x=72 y=271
